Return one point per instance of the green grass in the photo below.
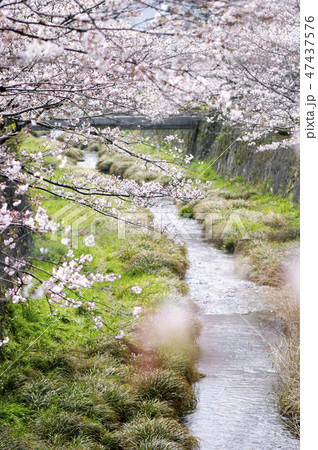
(65, 384)
(166, 386)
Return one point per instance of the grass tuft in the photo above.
(155, 408)
(288, 360)
(156, 433)
(151, 262)
(187, 211)
(67, 425)
(9, 440)
(167, 386)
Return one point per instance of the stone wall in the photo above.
(276, 169)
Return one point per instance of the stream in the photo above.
(236, 398)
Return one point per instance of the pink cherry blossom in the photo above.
(136, 289)
(111, 277)
(120, 335)
(98, 322)
(136, 311)
(89, 240)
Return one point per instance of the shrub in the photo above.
(94, 146)
(284, 234)
(289, 391)
(126, 167)
(54, 361)
(77, 398)
(159, 444)
(38, 394)
(274, 220)
(151, 176)
(230, 242)
(132, 172)
(288, 360)
(181, 364)
(14, 379)
(103, 151)
(8, 440)
(234, 195)
(14, 413)
(164, 180)
(120, 397)
(118, 168)
(111, 440)
(266, 264)
(240, 203)
(108, 345)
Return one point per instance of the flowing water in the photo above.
(236, 408)
(90, 160)
(236, 398)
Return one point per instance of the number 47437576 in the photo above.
(309, 51)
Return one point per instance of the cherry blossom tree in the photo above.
(74, 59)
(259, 69)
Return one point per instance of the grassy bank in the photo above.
(124, 166)
(65, 384)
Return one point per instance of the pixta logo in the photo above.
(75, 222)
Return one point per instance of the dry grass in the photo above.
(288, 360)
